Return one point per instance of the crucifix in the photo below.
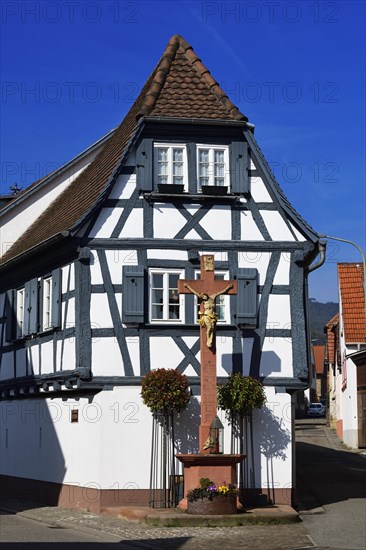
(207, 289)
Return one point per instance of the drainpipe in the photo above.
(322, 245)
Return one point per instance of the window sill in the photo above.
(190, 197)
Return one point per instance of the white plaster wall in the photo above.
(249, 229)
(282, 276)
(217, 222)
(124, 187)
(167, 221)
(43, 444)
(260, 261)
(164, 353)
(68, 278)
(259, 191)
(109, 448)
(106, 357)
(100, 315)
(68, 313)
(134, 226)
(46, 357)
(276, 225)
(272, 428)
(349, 398)
(224, 355)
(299, 235)
(126, 440)
(279, 313)
(7, 367)
(276, 358)
(105, 223)
(21, 369)
(164, 254)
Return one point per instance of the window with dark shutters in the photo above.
(25, 307)
(247, 298)
(133, 294)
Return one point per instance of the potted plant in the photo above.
(240, 395)
(165, 390)
(212, 499)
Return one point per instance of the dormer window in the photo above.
(212, 166)
(170, 166)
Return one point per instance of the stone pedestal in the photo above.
(220, 469)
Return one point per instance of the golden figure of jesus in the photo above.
(208, 317)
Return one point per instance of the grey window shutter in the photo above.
(144, 165)
(56, 298)
(10, 314)
(33, 313)
(27, 308)
(239, 167)
(247, 298)
(133, 294)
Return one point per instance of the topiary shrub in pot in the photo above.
(165, 390)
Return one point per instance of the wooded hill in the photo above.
(320, 314)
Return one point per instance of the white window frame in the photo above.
(46, 304)
(223, 299)
(20, 316)
(211, 174)
(166, 273)
(170, 147)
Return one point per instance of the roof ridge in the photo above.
(161, 72)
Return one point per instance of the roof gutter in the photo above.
(37, 248)
(203, 121)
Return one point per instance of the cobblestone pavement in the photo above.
(253, 537)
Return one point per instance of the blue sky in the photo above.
(71, 69)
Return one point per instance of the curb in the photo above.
(271, 516)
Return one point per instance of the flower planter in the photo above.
(219, 505)
(218, 190)
(170, 188)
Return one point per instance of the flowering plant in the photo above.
(165, 390)
(209, 490)
(241, 394)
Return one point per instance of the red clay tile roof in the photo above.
(319, 353)
(350, 277)
(181, 87)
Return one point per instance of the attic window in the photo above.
(212, 165)
(170, 166)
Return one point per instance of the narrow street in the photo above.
(331, 488)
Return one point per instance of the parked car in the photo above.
(316, 409)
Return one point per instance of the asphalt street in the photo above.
(331, 487)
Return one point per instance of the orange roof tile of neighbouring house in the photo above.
(319, 353)
(350, 277)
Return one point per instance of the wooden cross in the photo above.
(207, 288)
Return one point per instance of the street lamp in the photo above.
(362, 254)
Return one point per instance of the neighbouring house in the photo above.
(332, 363)
(91, 259)
(346, 357)
(320, 374)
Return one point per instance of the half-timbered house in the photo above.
(89, 303)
